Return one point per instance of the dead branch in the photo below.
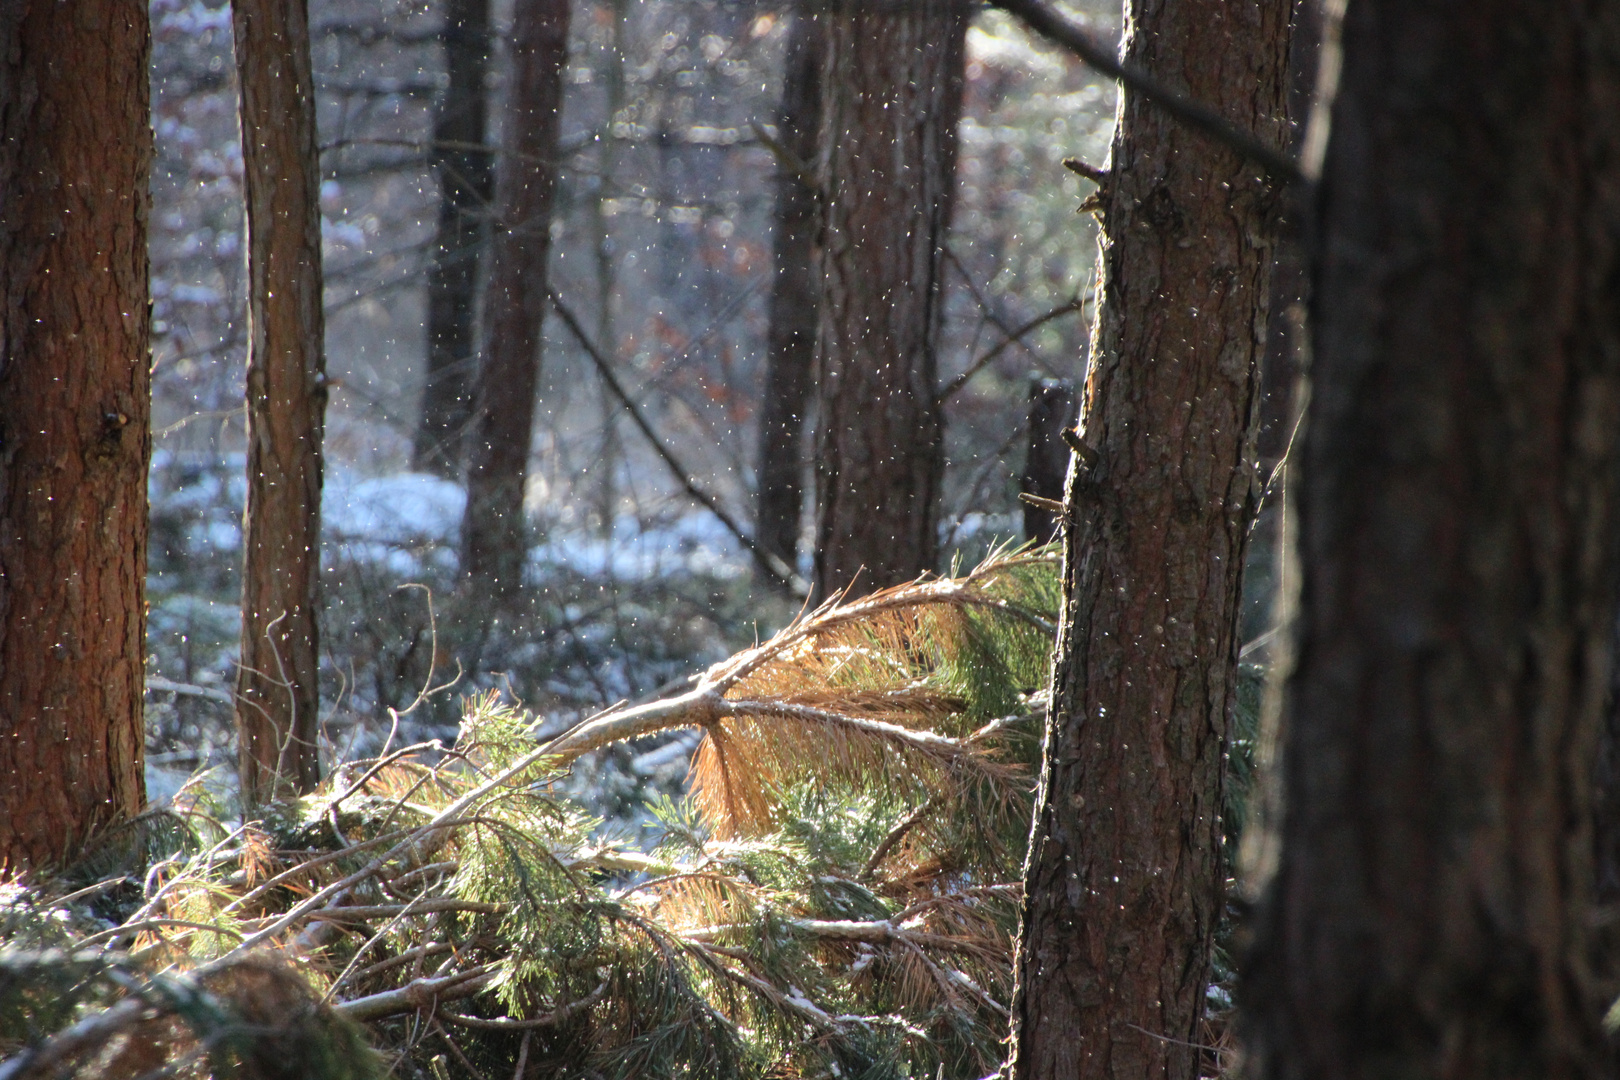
(1011, 338)
(416, 994)
(1049, 24)
(777, 568)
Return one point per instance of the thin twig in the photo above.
(157, 682)
(1079, 167)
(1178, 1042)
(952, 388)
(378, 766)
(787, 159)
(773, 564)
(298, 869)
(523, 1056)
(981, 298)
(416, 907)
(896, 834)
(90, 890)
(149, 924)
(472, 1070)
(559, 1015)
(408, 956)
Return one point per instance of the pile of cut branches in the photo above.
(835, 898)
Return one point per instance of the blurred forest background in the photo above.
(662, 237)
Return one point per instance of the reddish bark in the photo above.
(278, 695)
(75, 152)
(1124, 881)
(892, 97)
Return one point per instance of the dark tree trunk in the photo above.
(75, 152)
(1429, 914)
(277, 691)
(1124, 882)
(892, 96)
(1282, 368)
(1046, 463)
(791, 349)
(452, 286)
(493, 531)
(1606, 841)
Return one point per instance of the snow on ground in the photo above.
(405, 508)
(402, 519)
(389, 518)
(694, 543)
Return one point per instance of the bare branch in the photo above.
(1051, 25)
(694, 708)
(417, 994)
(773, 564)
(897, 834)
(1090, 172)
(560, 1014)
(156, 682)
(1013, 337)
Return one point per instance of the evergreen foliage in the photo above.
(835, 898)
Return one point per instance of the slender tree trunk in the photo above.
(892, 96)
(277, 689)
(791, 348)
(1281, 371)
(605, 469)
(1124, 881)
(493, 532)
(452, 286)
(1051, 410)
(1429, 915)
(75, 401)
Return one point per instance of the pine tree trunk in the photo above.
(452, 285)
(75, 405)
(493, 531)
(791, 348)
(277, 690)
(892, 93)
(1124, 881)
(1429, 914)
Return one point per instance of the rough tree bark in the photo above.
(1429, 913)
(791, 348)
(452, 285)
(1124, 881)
(278, 696)
(75, 152)
(493, 530)
(892, 96)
